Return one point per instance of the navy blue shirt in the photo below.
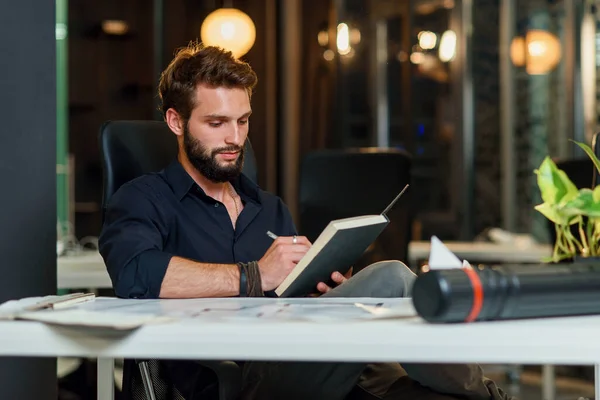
(165, 214)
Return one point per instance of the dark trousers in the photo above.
(359, 381)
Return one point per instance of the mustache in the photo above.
(227, 149)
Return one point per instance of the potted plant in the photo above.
(574, 212)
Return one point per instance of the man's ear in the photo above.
(174, 121)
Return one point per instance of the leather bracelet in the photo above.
(254, 280)
(243, 280)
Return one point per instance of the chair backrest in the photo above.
(133, 148)
(345, 183)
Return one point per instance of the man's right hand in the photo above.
(280, 259)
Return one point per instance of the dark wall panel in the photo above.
(27, 167)
(110, 78)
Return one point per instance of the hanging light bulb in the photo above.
(539, 51)
(447, 49)
(230, 29)
(343, 39)
(427, 40)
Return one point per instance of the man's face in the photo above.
(214, 136)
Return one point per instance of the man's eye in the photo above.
(243, 121)
(215, 124)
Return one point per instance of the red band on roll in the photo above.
(477, 294)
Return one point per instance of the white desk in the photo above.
(568, 341)
(482, 252)
(84, 270)
(546, 341)
(88, 271)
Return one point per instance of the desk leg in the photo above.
(597, 380)
(548, 383)
(106, 367)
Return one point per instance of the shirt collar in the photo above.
(181, 182)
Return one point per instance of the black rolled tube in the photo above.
(507, 292)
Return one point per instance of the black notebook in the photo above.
(339, 246)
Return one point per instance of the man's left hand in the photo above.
(337, 277)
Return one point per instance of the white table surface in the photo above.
(483, 252)
(564, 341)
(82, 270)
(87, 270)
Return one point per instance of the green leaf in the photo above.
(583, 204)
(596, 194)
(555, 186)
(551, 212)
(569, 187)
(588, 150)
(560, 215)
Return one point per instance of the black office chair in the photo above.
(345, 183)
(130, 149)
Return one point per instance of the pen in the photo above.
(274, 236)
(58, 302)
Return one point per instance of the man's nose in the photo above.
(234, 134)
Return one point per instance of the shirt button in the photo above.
(216, 205)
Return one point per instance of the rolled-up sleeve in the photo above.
(131, 242)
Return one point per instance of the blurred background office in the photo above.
(477, 92)
(465, 96)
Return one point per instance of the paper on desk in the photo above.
(340, 310)
(13, 308)
(261, 309)
(77, 315)
(126, 314)
(93, 319)
(440, 257)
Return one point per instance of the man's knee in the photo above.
(393, 278)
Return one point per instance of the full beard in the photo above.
(205, 161)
